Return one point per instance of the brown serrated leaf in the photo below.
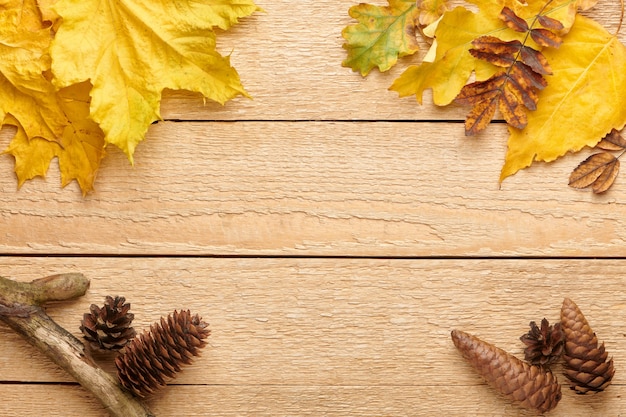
(591, 170)
(549, 23)
(546, 38)
(535, 60)
(495, 50)
(612, 142)
(512, 20)
(527, 77)
(526, 92)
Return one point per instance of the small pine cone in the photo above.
(543, 345)
(531, 386)
(109, 327)
(586, 364)
(157, 355)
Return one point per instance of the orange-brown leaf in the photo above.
(612, 142)
(513, 21)
(549, 23)
(598, 171)
(495, 50)
(525, 90)
(546, 38)
(510, 107)
(505, 54)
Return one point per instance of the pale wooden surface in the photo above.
(332, 234)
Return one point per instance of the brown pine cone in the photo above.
(109, 327)
(543, 345)
(586, 364)
(531, 386)
(154, 356)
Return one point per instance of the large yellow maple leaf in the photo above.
(131, 50)
(24, 91)
(583, 101)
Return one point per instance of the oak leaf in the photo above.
(581, 104)
(132, 50)
(382, 35)
(431, 10)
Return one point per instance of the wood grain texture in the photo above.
(316, 188)
(292, 334)
(229, 211)
(289, 60)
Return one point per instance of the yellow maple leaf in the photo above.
(453, 65)
(80, 148)
(582, 102)
(24, 91)
(131, 50)
(382, 35)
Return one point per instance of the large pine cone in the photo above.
(545, 344)
(109, 327)
(154, 356)
(586, 364)
(531, 386)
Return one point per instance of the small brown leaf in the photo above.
(512, 20)
(607, 178)
(591, 170)
(612, 142)
(546, 38)
(549, 23)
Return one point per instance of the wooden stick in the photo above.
(20, 309)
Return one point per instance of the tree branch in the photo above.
(20, 309)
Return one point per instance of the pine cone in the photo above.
(586, 364)
(157, 355)
(543, 345)
(108, 328)
(531, 386)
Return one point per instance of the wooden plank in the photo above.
(275, 401)
(289, 60)
(308, 328)
(315, 188)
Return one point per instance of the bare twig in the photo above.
(20, 309)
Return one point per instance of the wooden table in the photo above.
(331, 233)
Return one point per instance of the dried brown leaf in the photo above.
(546, 38)
(535, 60)
(512, 20)
(549, 23)
(612, 142)
(590, 172)
(607, 178)
(495, 50)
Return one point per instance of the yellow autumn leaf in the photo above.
(382, 35)
(453, 65)
(32, 156)
(583, 101)
(24, 91)
(131, 50)
(80, 148)
(431, 10)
